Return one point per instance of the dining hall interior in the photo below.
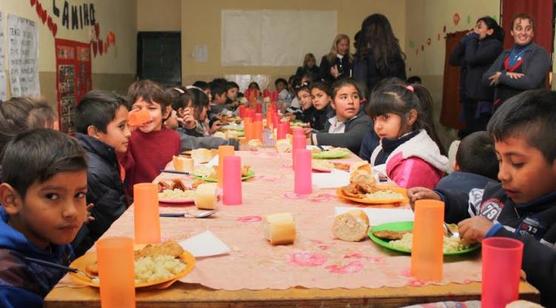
(248, 146)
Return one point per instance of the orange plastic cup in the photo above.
(146, 219)
(223, 151)
(138, 117)
(248, 128)
(258, 130)
(428, 234)
(116, 272)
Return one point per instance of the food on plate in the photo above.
(390, 235)
(176, 194)
(283, 146)
(341, 166)
(254, 144)
(153, 262)
(322, 165)
(173, 183)
(329, 152)
(205, 196)
(384, 194)
(363, 186)
(351, 226)
(450, 244)
(201, 156)
(279, 229)
(211, 173)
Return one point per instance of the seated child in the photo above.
(348, 124)
(407, 148)
(284, 96)
(151, 145)
(476, 164)
(321, 99)
(232, 91)
(43, 207)
(523, 204)
(101, 129)
(183, 106)
(306, 112)
(218, 104)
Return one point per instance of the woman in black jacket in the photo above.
(379, 55)
(337, 63)
(475, 53)
(309, 68)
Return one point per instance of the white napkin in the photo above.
(378, 216)
(213, 162)
(205, 244)
(334, 179)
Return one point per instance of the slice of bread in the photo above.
(351, 226)
(279, 229)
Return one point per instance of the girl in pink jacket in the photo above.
(404, 126)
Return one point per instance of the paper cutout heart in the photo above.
(54, 29)
(44, 16)
(33, 2)
(49, 23)
(97, 30)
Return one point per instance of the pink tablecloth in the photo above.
(316, 260)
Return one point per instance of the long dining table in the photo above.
(317, 270)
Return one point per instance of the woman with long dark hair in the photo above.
(475, 53)
(379, 55)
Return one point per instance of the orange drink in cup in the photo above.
(427, 253)
(116, 272)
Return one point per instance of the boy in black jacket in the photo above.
(101, 126)
(523, 204)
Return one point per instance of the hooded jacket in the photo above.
(24, 283)
(416, 162)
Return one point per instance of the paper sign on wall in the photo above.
(23, 56)
(275, 37)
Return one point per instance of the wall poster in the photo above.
(73, 78)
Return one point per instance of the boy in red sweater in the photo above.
(151, 145)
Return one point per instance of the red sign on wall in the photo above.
(73, 78)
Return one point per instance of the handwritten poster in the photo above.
(23, 56)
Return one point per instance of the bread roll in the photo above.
(205, 196)
(351, 226)
(361, 172)
(279, 229)
(201, 156)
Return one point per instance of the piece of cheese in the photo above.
(279, 229)
(351, 226)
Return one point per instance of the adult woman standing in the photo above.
(309, 68)
(337, 63)
(475, 53)
(379, 55)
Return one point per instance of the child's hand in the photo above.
(188, 119)
(515, 75)
(216, 125)
(474, 229)
(418, 193)
(334, 71)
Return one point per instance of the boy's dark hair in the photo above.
(203, 85)
(282, 80)
(476, 154)
(323, 86)
(39, 154)
(217, 88)
(531, 115)
(231, 85)
(199, 100)
(150, 91)
(179, 96)
(97, 108)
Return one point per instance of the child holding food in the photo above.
(43, 207)
(348, 125)
(101, 129)
(151, 145)
(523, 204)
(407, 148)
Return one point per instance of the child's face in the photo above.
(220, 98)
(117, 132)
(280, 86)
(305, 99)
(232, 94)
(51, 212)
(155, 111)
(522, 31)
(320, 98)
(524, 172)
(346, 103)
(388, 126)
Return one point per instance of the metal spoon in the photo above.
(449, 231)
(202, 214)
